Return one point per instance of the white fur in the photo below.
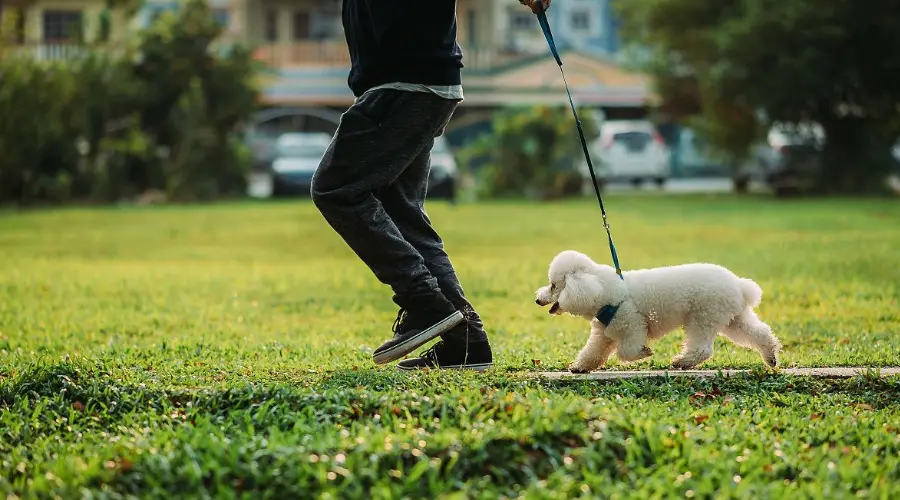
(705, 299)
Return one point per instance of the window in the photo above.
(271, 25)
(323, 25)
(471, 29)
(62, 25)
(153, 13)
(301, 24)
(156, 10)
(222, 16)
(581, 20)
(521, 20)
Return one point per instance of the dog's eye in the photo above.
(552, 286)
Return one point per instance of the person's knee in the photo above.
(317, 192)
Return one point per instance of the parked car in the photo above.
(630, 150)
(297, 158)
(791, 156)
(693, 157)
(443, 176)
(788, 158)
(285, 165)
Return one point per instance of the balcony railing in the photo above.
(50, 51)
(305, 53)
(333, 53)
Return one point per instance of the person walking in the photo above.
(370, 186)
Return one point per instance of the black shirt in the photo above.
(409, 41)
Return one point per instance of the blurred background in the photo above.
(111, 101)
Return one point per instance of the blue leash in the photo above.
(545, 27)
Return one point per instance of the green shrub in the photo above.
(161, 112)
(533, 152)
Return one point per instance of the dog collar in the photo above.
(606, 314)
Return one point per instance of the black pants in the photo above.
(371, 185)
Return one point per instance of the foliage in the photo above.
(220, 351)
(750, 64)
(38, 125)
(533, 151)
(160, 111)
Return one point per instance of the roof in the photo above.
(594, 80)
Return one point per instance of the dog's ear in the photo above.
(581, 293)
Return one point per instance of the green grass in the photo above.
(226, 350)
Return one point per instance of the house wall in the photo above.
(602, 34)
(90, 9)
(324, 18)
(475, 21)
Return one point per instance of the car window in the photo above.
(633, 141)
(302, 150)
(302, 146)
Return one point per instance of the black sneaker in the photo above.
(452, 355)
(415, 327)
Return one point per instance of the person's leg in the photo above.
(377, 139)
(404, 202)
(466, 345)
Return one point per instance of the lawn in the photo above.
(225, 351)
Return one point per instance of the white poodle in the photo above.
(704, 298)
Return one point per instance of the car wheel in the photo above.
(741, 184)
(451, 191)
(660, 182)
(637, 182)
(443, 190)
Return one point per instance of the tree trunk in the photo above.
(856, 158)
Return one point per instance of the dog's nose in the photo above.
(537, 301)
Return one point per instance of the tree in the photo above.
(160, 112)
(745, 64)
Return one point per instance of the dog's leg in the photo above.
(698, 344)
(634, 344)
(595, 352)
(747, 330)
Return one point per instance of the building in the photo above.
(59, 29)
(53, 29)
(302, 41)
(588, 26)
(506, 58)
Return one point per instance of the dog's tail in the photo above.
(751, 291)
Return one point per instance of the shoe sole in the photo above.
(411, 344)
(475, 367)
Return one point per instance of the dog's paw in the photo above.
(577, 369)
(643, 353)
(770, 357)
(682, 364)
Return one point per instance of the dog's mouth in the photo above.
(554, 308)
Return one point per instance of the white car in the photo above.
(630, 150)
(297, 157)
(443, 174)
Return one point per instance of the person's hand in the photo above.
(535, 5)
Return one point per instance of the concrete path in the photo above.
(704, 185)
(840, 372)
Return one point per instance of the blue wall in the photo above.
(601, 12)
